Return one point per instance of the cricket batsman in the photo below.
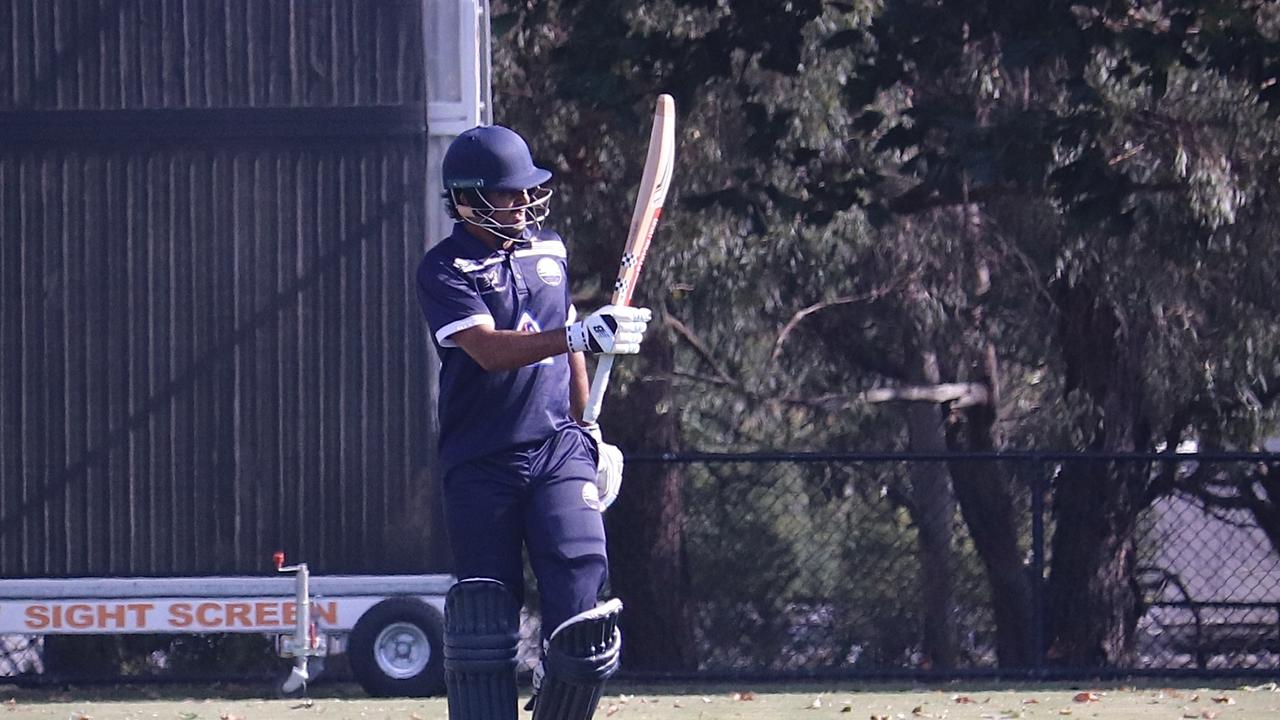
(519, 468)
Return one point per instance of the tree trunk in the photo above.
(983, 489)
(986, 503)
(645, 525)
(934, 513)
(1092, 601)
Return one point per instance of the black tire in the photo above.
(397, 649)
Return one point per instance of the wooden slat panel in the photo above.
(348, 340)
(173, 71)
(67, 324)
(107, 76)
(245, 438)
(149, 57)
(377, 340)
(43, 81)
(20, 56)
(137, 477)
(117, 512)
(33, 424)
(8, 50)
(11, 386)
(62, 41)
(183, 311)
(224, 530)
(341, 53)
(208, 53)
(302, 327)
(198, 338)
(272, 523)
(156, 349)
(203, 469)
(193, 34)
(95, 341)
(285, 372)
(49, 410)
(328, 344)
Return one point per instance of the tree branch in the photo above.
(683, 331)
(845, 300)
(958, 394)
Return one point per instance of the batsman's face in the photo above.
(510, 207)
(503, 215)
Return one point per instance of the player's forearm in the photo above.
(502, 350)
(611, 329)
(579, 385)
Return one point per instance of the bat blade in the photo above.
(658, 167)
(650, 198)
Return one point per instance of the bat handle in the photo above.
(595, 399)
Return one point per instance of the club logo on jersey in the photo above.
(528, 325)
(490, 281)
(549, 271)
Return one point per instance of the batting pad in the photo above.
(581, 654)
(481, 630)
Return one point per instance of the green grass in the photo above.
(669, 702)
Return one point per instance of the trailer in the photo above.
(390, 626)
(210, 344)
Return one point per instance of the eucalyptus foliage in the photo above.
(1065, 207)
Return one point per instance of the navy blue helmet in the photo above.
(489, 170)
(491, 157)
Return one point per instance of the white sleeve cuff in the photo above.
(453, 328)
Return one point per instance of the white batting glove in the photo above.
(608, 468)
(593, 429)
(608, 474)
(613, 329)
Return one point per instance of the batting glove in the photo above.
(608, 475)
(608, 468)
(593, 429)
(613, 329)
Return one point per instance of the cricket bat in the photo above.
(644, 220)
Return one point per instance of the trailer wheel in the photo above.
(397, 649)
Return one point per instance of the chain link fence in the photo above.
(866, 565)
(20, 654)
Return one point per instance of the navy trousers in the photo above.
(533, 497)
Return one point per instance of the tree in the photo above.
(1059, 211)
(1122, 121)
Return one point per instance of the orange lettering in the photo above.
(266, 613)
(290, 613)
(180, 615)
(37, 617)
(111, 613)
(140, 612)
(80, 616)
(238, 614)
(206, 615)
(325, 613)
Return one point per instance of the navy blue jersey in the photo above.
(462, 283)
